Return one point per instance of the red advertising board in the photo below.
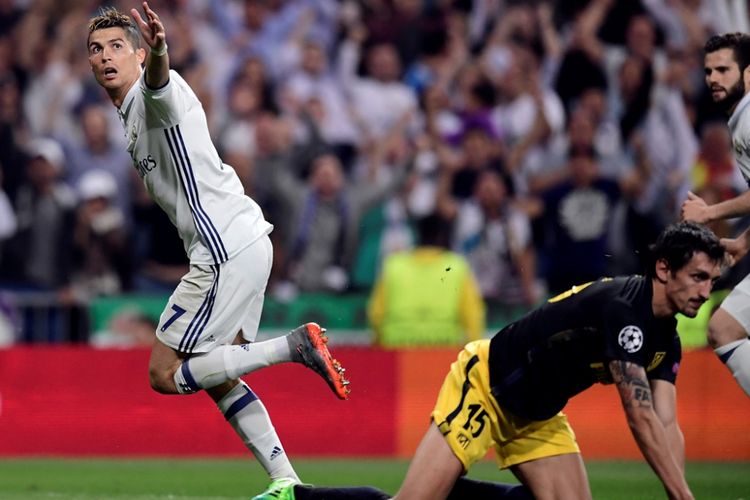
(86, 402)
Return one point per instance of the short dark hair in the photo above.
(433, 230)
(679, 242)
(739, 43)
(109, 17)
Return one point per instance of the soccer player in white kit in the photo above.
(206, 332)
(727, 72)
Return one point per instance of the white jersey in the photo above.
(169, 142)
(739, 127)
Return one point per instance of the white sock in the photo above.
(229, 362)
(250, 420)
(736, 355)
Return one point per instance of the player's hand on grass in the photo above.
(695, 209)
(152, 29)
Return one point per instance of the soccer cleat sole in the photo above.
(315, 355)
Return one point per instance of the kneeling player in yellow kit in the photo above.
(508, 392)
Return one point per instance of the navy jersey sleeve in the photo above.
(624, 333)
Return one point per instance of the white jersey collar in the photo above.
(124, 110)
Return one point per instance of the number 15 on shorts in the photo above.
(476, 420)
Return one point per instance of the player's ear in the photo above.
(661, 270)
(140, 53)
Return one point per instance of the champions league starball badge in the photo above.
(630, 338)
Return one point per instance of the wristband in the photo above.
(159, 52)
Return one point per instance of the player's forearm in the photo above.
(651, 438)
(647, 426)
(735, 207)
(157, 68)
(676, 444)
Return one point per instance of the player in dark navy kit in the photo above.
(508, 392)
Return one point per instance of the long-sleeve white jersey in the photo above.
(169, 142)
(739, 127)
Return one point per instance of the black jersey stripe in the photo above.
(188, 194)
(223, 255)
(200, 320)
(241, 403)
(182, 173)
(209, 310)
(195, 321)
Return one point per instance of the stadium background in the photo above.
(72, 387)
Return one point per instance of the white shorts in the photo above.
(737, 303)
(212, 303)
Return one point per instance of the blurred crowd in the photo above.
(555, 139)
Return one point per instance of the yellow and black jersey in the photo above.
(560, 349)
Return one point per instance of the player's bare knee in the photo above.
(723, 329)
(219, 391)
(713, 335)
(161, 380)
(162, 365)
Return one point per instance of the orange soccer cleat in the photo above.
(308, 344)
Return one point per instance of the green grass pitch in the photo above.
(211, 479)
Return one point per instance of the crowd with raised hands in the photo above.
(554, 139)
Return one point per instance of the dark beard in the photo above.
(734, 94)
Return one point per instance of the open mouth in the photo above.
(110, 72)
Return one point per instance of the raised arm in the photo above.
(157, 60)
(696, 209)
(647, 426)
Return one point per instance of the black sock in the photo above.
(464, 488)
(475, 489)
(302, 492)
